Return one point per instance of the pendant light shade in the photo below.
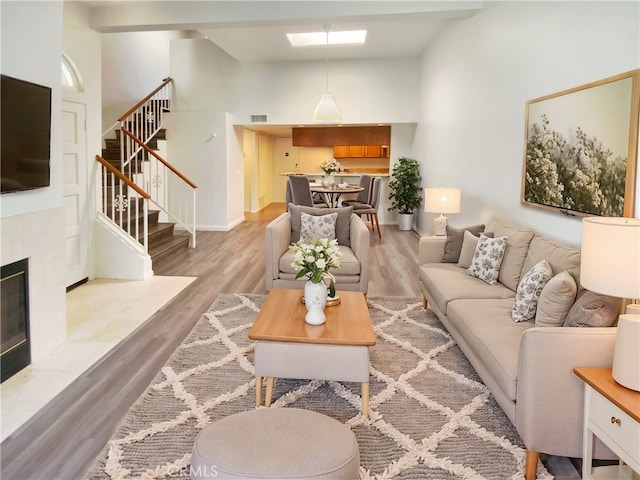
(327, 110)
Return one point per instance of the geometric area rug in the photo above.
(431, 417)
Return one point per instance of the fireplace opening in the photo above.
(15, 350)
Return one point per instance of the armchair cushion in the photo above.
(342, 223)
(350, 264)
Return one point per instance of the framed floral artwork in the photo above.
(581, 148)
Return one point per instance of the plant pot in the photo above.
(405, 221)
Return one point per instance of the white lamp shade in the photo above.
(442, 200)
(327, 110)
(610, 256)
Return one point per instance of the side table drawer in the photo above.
(616, 424)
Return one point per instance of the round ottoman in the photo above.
(276, 443)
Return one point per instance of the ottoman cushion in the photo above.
(276, 443)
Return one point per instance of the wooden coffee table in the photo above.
(288, 347)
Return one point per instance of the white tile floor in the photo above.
(99, 315)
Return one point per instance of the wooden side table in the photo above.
(612, 413)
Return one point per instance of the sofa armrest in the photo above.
(431, 249)
(277, 241)
(360, 244)
(550, 397)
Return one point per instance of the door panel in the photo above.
(77, 218)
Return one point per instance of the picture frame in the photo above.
(581, 148)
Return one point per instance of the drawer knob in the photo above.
(615, 420)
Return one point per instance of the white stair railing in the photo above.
(169, 190)
(125, 204)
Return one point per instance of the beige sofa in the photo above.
(527, 368)
(353, 242)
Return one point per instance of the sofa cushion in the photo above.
(517, 247)
(556, 300)
(350, 264)
(560, 257)
(487, 259)
(593, 310)
(488, 329)
(529, 289)
(453, 243)
(342, 223)
(469, 244)
(317, 227)
(446, 282)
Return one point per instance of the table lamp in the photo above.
(441, 200)
(610, 265)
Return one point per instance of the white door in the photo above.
(74, 153)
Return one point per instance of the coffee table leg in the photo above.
(258, 391)
(365, 398)
(269, 394)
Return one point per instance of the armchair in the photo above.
(353, 241)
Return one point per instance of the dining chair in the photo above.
(363, 196)
(370, 209)
(299, 193)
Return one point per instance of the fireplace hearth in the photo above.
(15, 352)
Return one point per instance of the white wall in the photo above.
(134, 64)
(32, 223)
(476, 79)
(366, 91)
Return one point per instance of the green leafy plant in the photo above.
(405, 191)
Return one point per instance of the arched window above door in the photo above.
(70, 76)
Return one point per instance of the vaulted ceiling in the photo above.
(255, 30)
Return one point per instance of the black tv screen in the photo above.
(25, 122)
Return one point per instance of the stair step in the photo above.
(136, 217)
(168, 245)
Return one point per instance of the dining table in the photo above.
(331, 194)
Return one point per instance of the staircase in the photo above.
(143, 196)
(161, 235)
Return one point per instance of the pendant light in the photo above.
(327, 110)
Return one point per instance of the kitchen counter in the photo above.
(347, 173)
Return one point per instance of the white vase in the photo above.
(328, 180)
(315, 298)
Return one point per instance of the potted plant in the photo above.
(405, 192)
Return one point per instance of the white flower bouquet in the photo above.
(330, 165)
(314, 260)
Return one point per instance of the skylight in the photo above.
(346, 37)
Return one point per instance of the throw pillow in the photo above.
(487, 259)
(315, 227)
(593, 310)
(469, 244)
(453, 243)
(556, 300)
(343, 224)
(529, 289)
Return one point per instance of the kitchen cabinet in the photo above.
(361, 151)
(330, 136)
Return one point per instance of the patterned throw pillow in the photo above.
(529, 289)
(315, 227)
(487, 259)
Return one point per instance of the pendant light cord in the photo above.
(326, 29)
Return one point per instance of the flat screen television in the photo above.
(25, 122)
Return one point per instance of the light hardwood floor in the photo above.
(63, 439)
